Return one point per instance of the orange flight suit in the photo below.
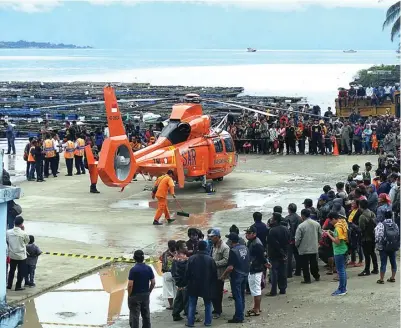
(165, 185)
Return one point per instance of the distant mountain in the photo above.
(41, 45)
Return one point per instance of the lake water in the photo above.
(315, 74)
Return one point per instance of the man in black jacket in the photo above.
(257, 267)
(202, 277)
(294, 220)
(178, 272)
(277, 245)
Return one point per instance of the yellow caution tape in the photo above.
(104, 258)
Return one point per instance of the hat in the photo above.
(355, 167)
(233, 237)
(308, 202)
(251, 229)
(214, 232)
(324, 197)
(368, 164)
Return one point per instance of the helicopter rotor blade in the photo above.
(240, 106)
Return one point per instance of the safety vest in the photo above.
(69, 150)
(49, 149)
(80, 149)
(31, 159)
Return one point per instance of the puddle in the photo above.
(97, 300)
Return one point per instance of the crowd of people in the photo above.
(368, 96)
(299, 133)
(358, 217)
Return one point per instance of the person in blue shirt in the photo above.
(10, 135)
(141, 281)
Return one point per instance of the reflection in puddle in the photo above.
(96, 300)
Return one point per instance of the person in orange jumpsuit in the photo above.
(162, 187)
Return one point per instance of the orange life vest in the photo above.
(69, 150)
(49, 149)
(31, 159)
(80, 149)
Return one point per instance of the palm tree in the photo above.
(393, 17)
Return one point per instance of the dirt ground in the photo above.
(64, 217)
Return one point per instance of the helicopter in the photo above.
(188, 145)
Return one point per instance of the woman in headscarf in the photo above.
(384, 206)
(373, 198)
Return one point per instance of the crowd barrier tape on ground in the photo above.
(103, 258)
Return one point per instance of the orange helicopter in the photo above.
(188, 145)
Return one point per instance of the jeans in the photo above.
(309, 260)
(369, 252)
(383, 261)
(31, 273)
(278, 276)
(11, 145)
(139, 305)
(293, 252)
(180, 303)
(218, 299)
(342, 274)
(238, 285)
(192, 301)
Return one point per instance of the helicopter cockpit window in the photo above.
(229, 145)
(218, 146)
(176, 132)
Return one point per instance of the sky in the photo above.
(201, 24)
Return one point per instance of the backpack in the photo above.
(391, 238)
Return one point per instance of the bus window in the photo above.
(229, 145)
(218, 146)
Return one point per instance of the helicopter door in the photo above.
(218, 161)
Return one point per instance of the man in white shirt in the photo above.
(17, 239)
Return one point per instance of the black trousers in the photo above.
(52, 163)
(69, 162)
(309, 261)
(293, 252)
(369, 252)
(217, 301)
(139, 306)
(39, 169)
(21, 275)
(79, 164)
(180, 303)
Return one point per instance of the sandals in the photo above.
(380, 282)
(390, 280)
(252, 313)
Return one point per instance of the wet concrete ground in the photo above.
(65, 217)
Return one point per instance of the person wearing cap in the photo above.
(201, 275)
(163, 186)
(257, 267)
(141, 281)
(367, 224)
(294, 220)
(307, 239)
(339, 240)
(238, 269)
(234, 229)
(277, 250)
(308, 204)
(366, 175)
(220, 253)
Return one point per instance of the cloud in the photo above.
(33, 6)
